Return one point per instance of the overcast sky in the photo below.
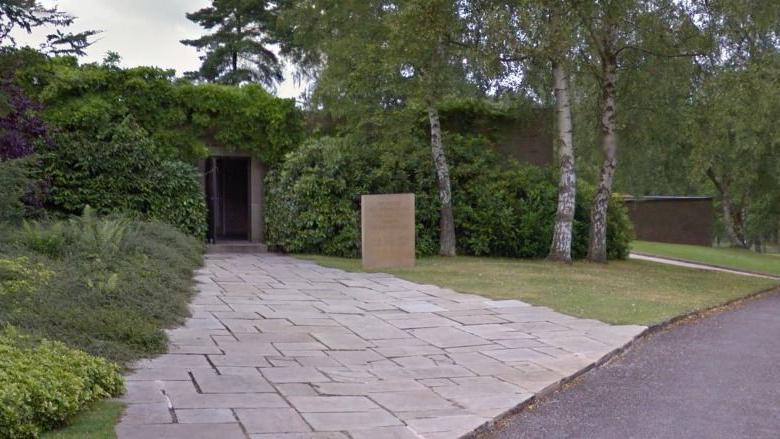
(143, 32)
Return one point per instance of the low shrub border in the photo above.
(43, 383)
(90, 294)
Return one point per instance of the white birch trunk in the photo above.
(560, 249)
(446, 218)
(597, 249)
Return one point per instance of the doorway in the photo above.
(228, 196)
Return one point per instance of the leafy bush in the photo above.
(112, 284)
(44, 383)
(501, 208)
(15, 182)
(181, 118)
(121, 171)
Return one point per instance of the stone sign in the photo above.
(387, 226)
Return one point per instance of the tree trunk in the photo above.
(597, 250)
(446, 219)
(560, 249)
(734, 226)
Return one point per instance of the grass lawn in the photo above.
(726, 257)
(620, 292)
(95, 423)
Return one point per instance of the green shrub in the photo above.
(501, 208)
(121, 171)
(15, 182)
(114, 284)
(44, 383)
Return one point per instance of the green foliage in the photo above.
(182, 119)
(44, 383)
(15, 181)
(19, 276)
(236, 51)
(120, 171)
(104, 285)
(501, 209)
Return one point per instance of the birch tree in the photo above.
(609, 30)
(370, 57)
(523, 35)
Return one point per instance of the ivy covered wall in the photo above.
(181, 118)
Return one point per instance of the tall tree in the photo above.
(610, 30)
(236, 51)
(372, 57)
(526, 35)
(27, 15)
(733, 129)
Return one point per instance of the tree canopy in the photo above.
(237, 49)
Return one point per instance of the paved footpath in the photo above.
(718, 377)
(283, 348)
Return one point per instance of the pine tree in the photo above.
(236, 51)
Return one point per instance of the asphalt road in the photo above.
(717, 377)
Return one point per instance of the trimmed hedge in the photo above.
(121, 171)
(501, 208)
(44, 383)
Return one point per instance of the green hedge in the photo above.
(121, 171)
(44, 383)
(501, 208)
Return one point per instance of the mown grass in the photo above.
(620, 292)
(740, 259)
(95, 423)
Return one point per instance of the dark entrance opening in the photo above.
(227, 193)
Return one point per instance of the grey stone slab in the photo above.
(355, 357)
(367, 388)
(325, 404)
(312, 435)
(296, 389)
(341, 341)
(272, 421)
(385, 433)
(245, 383)
(205, 416)
(517, 354)
(241, 359)
(447, 337)
(243, 400)
(293, 375)
(147, 413)
(411, 401)
(370, 327)
(174, 361)
(180, 431)
(456, 424)
(350, 421)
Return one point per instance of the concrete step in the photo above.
(236, 247)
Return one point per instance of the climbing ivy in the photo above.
(182, 119)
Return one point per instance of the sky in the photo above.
(143, 32)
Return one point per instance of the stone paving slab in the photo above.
(283, 348)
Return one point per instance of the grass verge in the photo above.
(95, 423)
(739, 259)
(621, 292)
